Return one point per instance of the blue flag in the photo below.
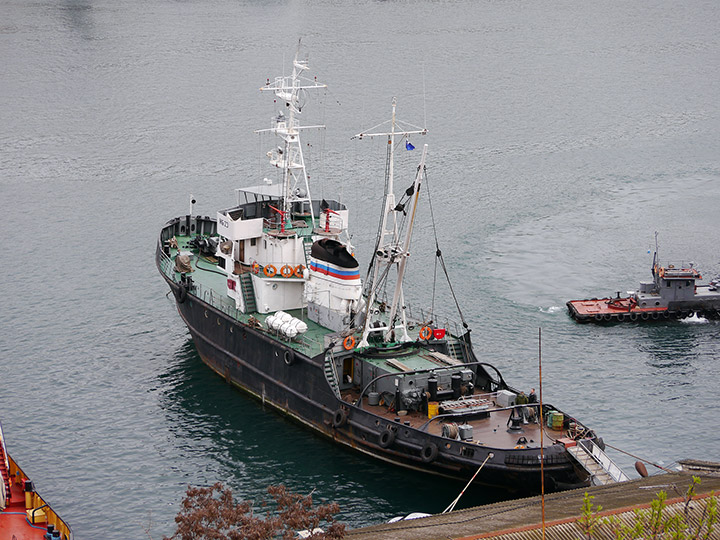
(408, 146)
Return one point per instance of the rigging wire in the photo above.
(439, 256)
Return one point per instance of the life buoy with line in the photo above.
(286, 271)
(425, 332)
(349, 343)
(269, 270)
(299, 269)
(255, 267)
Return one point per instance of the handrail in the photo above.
(4, 449)
(473, 413)
(358, 403)
(596, 454)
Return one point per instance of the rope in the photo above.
(452, 504)
(641, 459)
(438, 255)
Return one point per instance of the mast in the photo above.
(289, 157)
(389, 250)
(405, 254)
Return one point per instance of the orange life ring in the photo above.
(425, 332)
(349, 343)
(286, 271)
(299, 269)
(255, 267)
(270, 270)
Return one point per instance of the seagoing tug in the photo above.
(673, 293)
(271, 293)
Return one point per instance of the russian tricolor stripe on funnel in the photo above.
(334, 271)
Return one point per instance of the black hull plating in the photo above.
(295, 385)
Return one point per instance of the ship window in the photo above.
(253, 241)
(264, 244)
(657, 303)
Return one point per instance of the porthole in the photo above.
(206, 314)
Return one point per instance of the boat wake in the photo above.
(694, 319)
(551, 309)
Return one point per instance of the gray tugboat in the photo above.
(673, 293)
(271, 293)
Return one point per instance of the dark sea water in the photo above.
(562, 136)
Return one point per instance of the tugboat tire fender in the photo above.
(597, 317)
(621, 317)
(429, 452)
(340, 418)
(607, 317)
(289, 357)
(633, 316)
(387, 437)
(656, 316)
(644, 316)
(181, 294)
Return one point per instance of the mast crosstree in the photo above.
(289, 156)
(391, 250)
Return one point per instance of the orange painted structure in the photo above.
(24, 515)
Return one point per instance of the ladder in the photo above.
(591, 457)
(330, 374)
(455, 350)
(248, 292)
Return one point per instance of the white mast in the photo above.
(289, 156)
(389, 251)
(405, 253)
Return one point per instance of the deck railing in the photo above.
(224, 304)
